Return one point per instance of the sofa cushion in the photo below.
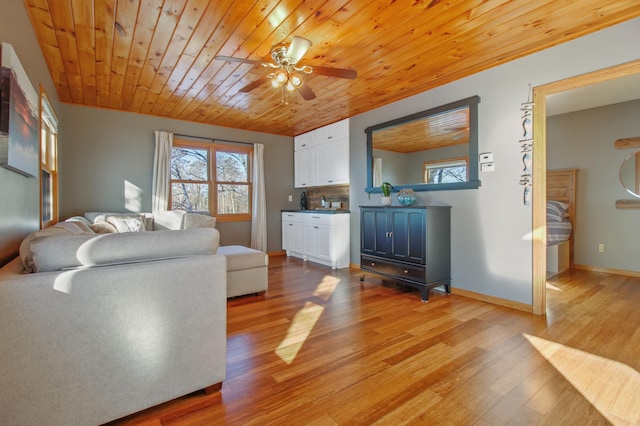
(61, 228)
(126, 224)
(240, 257)
(198, 220)
(70, 251)
(169, 219)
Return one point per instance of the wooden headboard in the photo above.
(561, 186)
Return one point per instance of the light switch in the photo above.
(486, 157)
(487, 167)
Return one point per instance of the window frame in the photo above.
(212, 183)
(438, 163)
(48, 155)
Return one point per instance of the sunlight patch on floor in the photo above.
(326, 287)
(299, 330)
(552, 287)
(612, 387)
(305, 319)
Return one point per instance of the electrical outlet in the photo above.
(601, 248)
(290, 197)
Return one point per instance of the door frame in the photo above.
(539, 220)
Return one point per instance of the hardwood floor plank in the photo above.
(320, 348)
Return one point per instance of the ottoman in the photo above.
(246, 270)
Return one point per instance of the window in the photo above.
(48, 163)
(447, 171)
(213, 178)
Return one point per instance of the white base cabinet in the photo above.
(317, 237)
(292, 238)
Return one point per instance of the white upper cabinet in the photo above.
(333, 131)
(322, 156)
(305, 140)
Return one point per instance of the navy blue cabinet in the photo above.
(411, 245)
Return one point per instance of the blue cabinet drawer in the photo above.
(396, 270)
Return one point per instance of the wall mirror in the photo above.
(431, 150)
(630, 174)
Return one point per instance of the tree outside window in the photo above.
(448, 171)
(195, 187)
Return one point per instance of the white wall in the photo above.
(491, 246)
(585, 140)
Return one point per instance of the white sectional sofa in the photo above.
(109, 325)
(246, 268)
(97, 323)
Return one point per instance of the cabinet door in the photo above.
(305, 140)
(300, 169)
(333, 162)
(374, 232)
(325, 163)
(323, 240)
(340, 161)
(292, 239)
(297, 238)
(287, 233)
(333, 131)
(408, 231)
(318, 239)
(310, 237)
(306, 167)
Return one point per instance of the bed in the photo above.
(561, 219)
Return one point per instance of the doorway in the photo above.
(539, 197)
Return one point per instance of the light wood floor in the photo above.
(320, 349)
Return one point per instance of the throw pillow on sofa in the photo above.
(126, 224)
(100, 217)
(198, 220)
(103, 228)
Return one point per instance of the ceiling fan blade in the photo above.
(243, 61)
(306, 92)
(249, 87)
(335, 72)
(297, 49)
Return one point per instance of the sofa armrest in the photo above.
(91, 345)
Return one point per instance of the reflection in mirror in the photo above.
(429, 150)
(630, 174)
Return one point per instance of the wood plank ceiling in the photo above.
(157, 56)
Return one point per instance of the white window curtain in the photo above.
(161, 171)
(377, 171)
(259, 204)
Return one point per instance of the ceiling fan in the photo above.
(286, 74)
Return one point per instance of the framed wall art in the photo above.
(19, 148)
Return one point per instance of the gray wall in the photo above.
(20, 209)
(584, 140)
(491, 228)
(104, 151)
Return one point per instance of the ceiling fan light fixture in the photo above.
(295, 80)
(297, 49)
(280, 77)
